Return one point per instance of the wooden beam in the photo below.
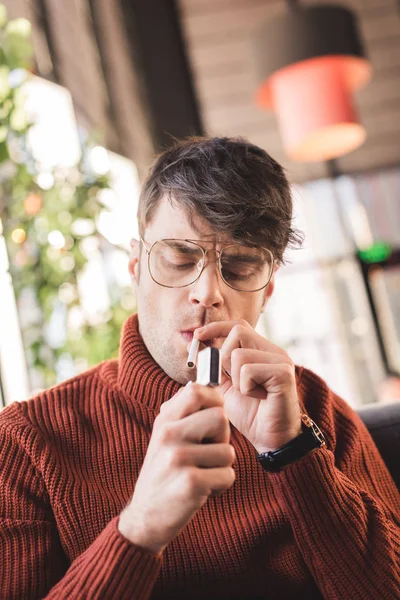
(157, 48)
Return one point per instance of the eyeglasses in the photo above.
(175, 263)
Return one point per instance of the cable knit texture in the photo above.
(327, 526)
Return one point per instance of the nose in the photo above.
(207, 289)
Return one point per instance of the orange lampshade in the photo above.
(313, 103)
(308, 78)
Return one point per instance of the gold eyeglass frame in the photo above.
(217, 252)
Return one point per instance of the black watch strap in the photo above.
(310, 439)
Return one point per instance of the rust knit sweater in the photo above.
(327, 526)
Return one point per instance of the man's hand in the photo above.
(179, 472)
(260, 396)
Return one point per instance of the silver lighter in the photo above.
(209, 367)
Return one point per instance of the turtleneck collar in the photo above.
(139, 376)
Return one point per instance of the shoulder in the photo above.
(55, 404)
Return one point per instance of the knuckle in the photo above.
(175, 458)
(238, 328)
(231, 475)
(245, 370)
(191, 482)
(220, 415)
(195, 395)
(236, 354)
(288, 370)
(167, 432)
(195, 390)
(217, 398)
(158, 422)
(229, 454)
(193, 405)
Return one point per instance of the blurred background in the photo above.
(90, 90)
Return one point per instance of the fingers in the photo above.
(206, 456)
(238, 334)
(211, 423)
(219, 329)
(275, 377)
(244, 356)
(190, 399)
(215, 481)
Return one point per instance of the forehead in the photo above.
(170, 220)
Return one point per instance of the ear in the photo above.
(134, 261)
(269, 290)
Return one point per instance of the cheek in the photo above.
(159, 301)
(251, 308)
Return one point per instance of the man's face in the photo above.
(168, 316)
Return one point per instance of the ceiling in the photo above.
(218, 34)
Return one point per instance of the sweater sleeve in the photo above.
(344, 508)
(32, 559)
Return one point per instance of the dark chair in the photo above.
(383, 423)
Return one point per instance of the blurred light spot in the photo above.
(19, 26)
(99, 160)
(41, 224)
(83, 227)
(89, 247)
(17, 77)
(18, 236)
(108, 225)
(67, 263)
(108, 198)
(56, 239)
(45, 181)
(64, 218)
(67, 293)
(32, 204)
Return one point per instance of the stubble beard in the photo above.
(160, 342)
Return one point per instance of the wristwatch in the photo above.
(310, 438)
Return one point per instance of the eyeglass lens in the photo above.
(177, 263)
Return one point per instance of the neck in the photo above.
(139, 376)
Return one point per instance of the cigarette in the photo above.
(192, 357)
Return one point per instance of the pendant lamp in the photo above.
(309, 62)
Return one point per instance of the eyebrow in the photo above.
(177, 245)
(250, 258)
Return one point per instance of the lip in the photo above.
(191, 329)
(188, 336)
(188, 333)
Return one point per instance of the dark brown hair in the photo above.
(236, 187)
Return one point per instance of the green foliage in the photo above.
(46, 230)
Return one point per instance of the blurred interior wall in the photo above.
(125, 65)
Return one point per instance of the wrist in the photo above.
(310, 438)
(134, 534)
(280, 441)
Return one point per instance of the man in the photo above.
(131, 481)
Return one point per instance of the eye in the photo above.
(237, 276)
